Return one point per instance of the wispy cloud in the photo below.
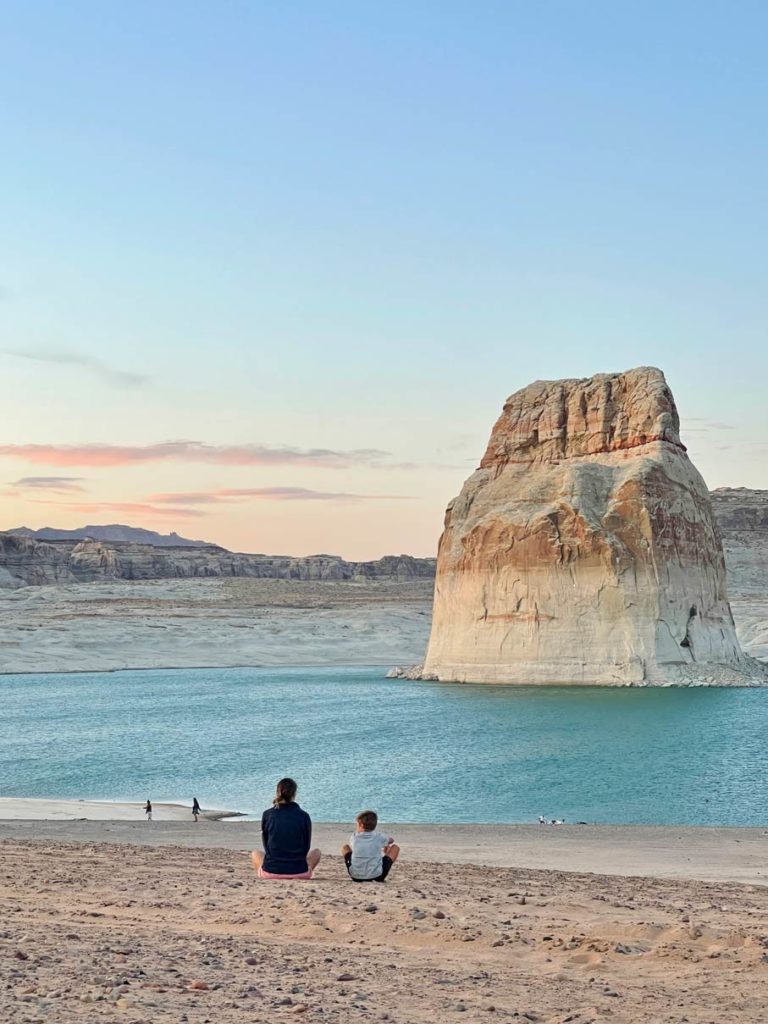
(239, 494)
(705, 427)
(111, 374)
(134, 508)
(50, 483)
(171, 505)
(193, 451)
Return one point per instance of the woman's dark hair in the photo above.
(285, 792)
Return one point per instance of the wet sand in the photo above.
(34, 809)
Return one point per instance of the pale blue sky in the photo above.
(361, 226)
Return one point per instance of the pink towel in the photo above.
(268, 874)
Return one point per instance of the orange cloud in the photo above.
(191, 451)
(236, 494)
(135, 508)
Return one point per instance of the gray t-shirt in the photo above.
(367, 850)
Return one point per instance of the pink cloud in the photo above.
(135, 508)
(237, 494)
(191, 451)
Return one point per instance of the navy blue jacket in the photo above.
(286, 832)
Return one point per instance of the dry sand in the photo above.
(101, 932)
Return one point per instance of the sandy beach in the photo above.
(128, 921)
(714, 854)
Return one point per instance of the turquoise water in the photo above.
(414, 751)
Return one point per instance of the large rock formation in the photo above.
(583, 550)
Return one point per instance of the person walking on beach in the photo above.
(195, 809)
(148, 810)
(286, 834)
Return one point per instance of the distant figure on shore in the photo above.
(370, 854)
(557, 821)
(286, 834)
(148, 810)
(542, 820)
(195, 808)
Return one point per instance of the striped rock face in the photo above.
(583, 550)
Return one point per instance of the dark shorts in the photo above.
(386, 867)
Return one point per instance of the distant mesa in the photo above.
(583, 550)
(97, 553)
(112, 532)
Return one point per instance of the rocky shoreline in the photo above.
(225, 621)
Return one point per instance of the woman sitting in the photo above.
(286, 833)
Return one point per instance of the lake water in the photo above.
(414, 751)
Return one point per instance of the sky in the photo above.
(268, 271)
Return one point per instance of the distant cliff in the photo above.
(741, 515)
(742, 518)
(25, 561)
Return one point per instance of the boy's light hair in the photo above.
(368, 819)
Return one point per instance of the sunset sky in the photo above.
(270, 270)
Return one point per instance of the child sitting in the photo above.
(369, 855)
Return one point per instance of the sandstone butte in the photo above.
(583, 550)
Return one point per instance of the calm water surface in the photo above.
(414, 751)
